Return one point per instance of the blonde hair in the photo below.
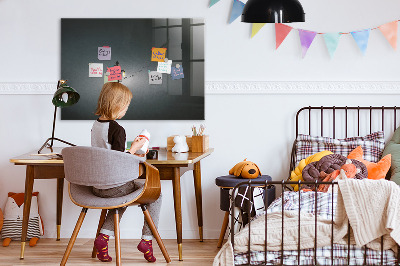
(114, 96)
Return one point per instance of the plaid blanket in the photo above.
(323, 205)
(324, 257)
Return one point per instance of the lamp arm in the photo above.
(54, 126)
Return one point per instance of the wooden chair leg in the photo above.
(154, 230)
(101, 222)
(73, 237)
(117, 238)
(223, 229)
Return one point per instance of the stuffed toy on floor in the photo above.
(13, 215)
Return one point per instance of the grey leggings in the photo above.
(154, 208)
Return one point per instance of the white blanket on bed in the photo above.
(373, 209)
(372, 206)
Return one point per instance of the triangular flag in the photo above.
(213, 2)
(332, 41)
(361, 37)
(237, 9)
(390, 32)
(306, 39)
(256, 28)
(281, 31)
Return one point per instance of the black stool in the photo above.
(226, 183)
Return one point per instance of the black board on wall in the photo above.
(131, 41)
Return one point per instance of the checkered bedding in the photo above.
(322, 207)
(372, 145)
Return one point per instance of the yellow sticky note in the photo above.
(158, 54)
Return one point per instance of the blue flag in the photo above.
(361, 37)
(237, 9)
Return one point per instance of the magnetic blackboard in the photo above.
(131, 42)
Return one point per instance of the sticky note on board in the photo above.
(106, 74)
(115, 73)
(95, 70)
(177, 73)
(155, 77)
(158, 54)
(164, 67)
(104, 53)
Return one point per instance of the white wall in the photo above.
(257, 127)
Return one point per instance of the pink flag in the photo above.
(389, 30)
(281, 31)
(306, 39)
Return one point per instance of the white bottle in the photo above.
(144, 134)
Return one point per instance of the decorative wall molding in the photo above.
(303, 87)
(28, 88)
(249, 87)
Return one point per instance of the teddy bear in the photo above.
(13, 215)
(180, 144)
(245, 169)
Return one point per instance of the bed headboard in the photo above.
(344, 121)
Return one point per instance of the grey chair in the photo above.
(85, 167)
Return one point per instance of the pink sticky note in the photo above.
(115, 73)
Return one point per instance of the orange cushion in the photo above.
(375, 170)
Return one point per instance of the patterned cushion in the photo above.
(372, 144)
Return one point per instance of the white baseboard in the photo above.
(247, 87)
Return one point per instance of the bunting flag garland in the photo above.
(237, 9)
(389, 30)
(256, 27)
(361, 37)
(213, 2)
(306, 39)
(332, 41)
(281, 31)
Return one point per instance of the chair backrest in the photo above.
(92, 166)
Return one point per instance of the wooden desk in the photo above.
(168, 164)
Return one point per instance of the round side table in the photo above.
(228, 182)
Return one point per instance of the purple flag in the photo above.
(306, 39)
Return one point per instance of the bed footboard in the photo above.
(333, 259)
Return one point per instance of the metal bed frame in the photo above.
(284, 183)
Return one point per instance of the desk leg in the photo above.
(27, 206)
(176, 182)
(197, 189)
(60, 190)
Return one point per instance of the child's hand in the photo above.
(137, 144)
(143, 155)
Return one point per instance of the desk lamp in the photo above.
(273, 11)
(63, 97)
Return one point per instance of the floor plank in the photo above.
(50, 252)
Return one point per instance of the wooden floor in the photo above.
(50, 252)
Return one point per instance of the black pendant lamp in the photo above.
(273, 11)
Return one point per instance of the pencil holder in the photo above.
(200, 143)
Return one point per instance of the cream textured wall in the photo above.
(258, 126)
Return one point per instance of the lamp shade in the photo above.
(273, 11)
(65, 96)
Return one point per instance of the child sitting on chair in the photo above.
(106, 133)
